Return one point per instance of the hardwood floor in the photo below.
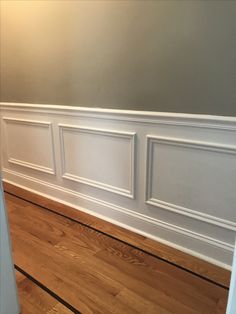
(35, 300)
(190, 263)
(91, 272)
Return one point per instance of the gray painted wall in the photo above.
(177, 56)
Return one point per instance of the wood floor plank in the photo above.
(191, 263)
(99, 274)
(184, 298)
(78, 284)
(140, 304)
(34, 300)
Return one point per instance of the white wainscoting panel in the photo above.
(192, 178)
(101, 158)
(170, 177)
(29, 144)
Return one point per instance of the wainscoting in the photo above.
(170, 177)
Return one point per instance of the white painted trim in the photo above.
(62, 195)
(43, 124)
(8, 291)
(168, 118)
(197, 233)
(231, 307)
(200, 145)
(31, 165)
(28, 122)
(112, 133)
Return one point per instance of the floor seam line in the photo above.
(47, 290)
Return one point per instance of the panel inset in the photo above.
(30, 144)
(192, 178)
(100, 158)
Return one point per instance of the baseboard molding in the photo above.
(162, 249)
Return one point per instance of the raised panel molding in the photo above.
(24, 163)
(198, 145)
(130, 136)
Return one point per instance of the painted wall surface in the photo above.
(177, 56)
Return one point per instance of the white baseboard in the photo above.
(141, 171)
(130, 220)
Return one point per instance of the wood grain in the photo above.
(99, 274)
(188, 262)
(34, 300)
